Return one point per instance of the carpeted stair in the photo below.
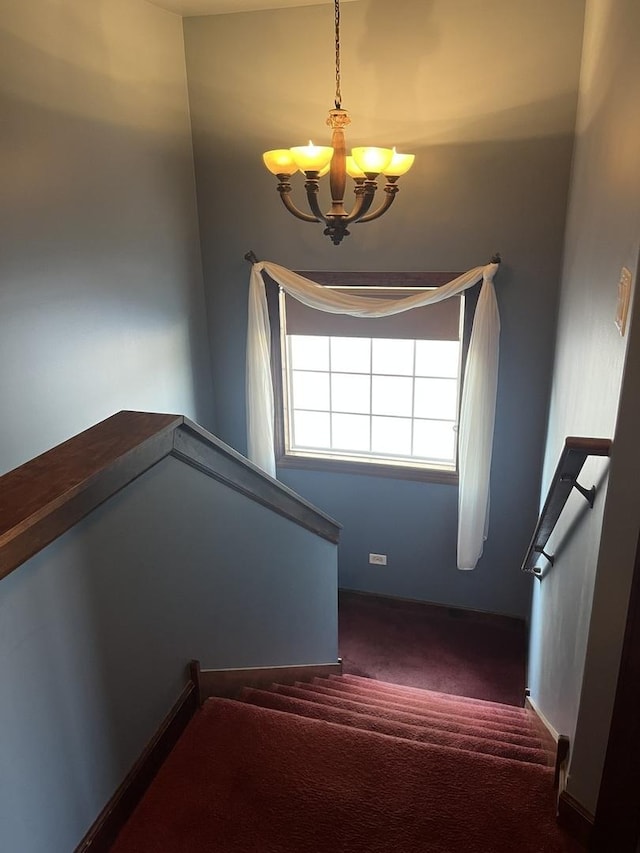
(347, 764)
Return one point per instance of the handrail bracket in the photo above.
(549, 557)
(588, 494)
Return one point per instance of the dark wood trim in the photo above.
(354, 280)
(48, 495)
(378, 278)
(45, 497)
(617, 819)
(576, 820)
(194, 672)
(229, 682)
(111, 820)
(197, 448)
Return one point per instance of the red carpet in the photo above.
(433, 647)
(306, 776)
(391, 710)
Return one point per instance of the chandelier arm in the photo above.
(365, 193)
(284, 189)
(312, 187)
(391, 190)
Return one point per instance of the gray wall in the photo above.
(101, 301)
(594, 394)
(485, 95)
(98, 628)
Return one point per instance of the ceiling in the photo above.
(188, 8)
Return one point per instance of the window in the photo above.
(374, 395)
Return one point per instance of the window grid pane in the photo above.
(309, 352)
(392, 356)
(438, 358)
(310, 390)
(311, 429)
(392, 395)
(408, 409)
(351, 433)
(436, 399)
(351, 355)
(351, 392)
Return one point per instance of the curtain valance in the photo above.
(477, 411)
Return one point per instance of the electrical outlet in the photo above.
(378, 559)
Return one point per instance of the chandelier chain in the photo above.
(338, 100)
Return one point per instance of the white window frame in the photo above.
(354, 463)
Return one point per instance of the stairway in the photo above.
(347, 765)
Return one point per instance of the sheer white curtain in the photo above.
(477, 413)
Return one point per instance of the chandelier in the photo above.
(364, 165)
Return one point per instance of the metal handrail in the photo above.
(565, 479)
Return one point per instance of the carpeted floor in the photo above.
(351, 764)
(433, 647)
(248, 776)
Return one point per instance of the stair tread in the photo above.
(451, 752)
(427, 698)
(404, 688)
(421, 733)
(443, 721)
(419, 693)
(523, 727)
(323, 786)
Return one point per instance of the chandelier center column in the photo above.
(337, 121)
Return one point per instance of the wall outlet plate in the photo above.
(378, 559)
(624, 297)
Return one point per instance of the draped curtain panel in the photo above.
(477, 410)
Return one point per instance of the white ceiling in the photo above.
(188, 8)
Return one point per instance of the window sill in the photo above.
(396, 472)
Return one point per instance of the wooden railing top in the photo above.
(565, 479)
(45, 497)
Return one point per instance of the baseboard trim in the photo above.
(103, 832)
(228, 683)
(454, 609)
(560, 744)
(541, 719)
(575, 819)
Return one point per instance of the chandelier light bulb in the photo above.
(372, 161)
(312, 158)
